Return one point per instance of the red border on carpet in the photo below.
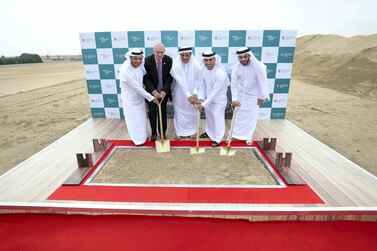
(289, 195)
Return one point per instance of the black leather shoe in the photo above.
(153, 137)
(215, 144)
(203, 135)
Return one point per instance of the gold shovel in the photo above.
(163, 145)
(227, 150)
(196, 149)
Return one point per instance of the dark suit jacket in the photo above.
(151, 77)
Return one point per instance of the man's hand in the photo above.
(236, 103)
(162, 95)
(195, 97)
(191, 100)
(156, 94)
(260, 101)
(155, 100)
(198, 104)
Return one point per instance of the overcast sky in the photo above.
(52, 27)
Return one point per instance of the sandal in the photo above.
(203, 135)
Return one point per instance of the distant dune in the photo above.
(348, 65)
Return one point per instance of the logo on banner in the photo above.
(284, 71)
(222, 52)
(169, 38)
(154, 38)
(96, 100)
(103, 39)
(203, 38)
(110, 100)
(136, 39)
(98, 113)
(277, 113)
(107, 71)
(119, 55)
(186, 38)
(94, 86)
(112, 113)
(271, 38)
(286, 54)
(254, 38)
(121, 39)
(237, 38)
(281, 85)
(89, 56)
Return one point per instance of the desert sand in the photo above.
(143, 166)
(332, 97)
(26, 77)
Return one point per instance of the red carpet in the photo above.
(289, 195)
(78, 232)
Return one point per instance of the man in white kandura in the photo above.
(133, 96)
(185, 71)
(213, 85)
(249, 90)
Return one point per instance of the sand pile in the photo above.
(348, 65)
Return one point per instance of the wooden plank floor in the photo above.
(338, 181)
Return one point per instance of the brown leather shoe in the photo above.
(153, 137)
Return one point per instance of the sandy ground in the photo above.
(31, 120)
(26, 77)
(344, 122)
(146, 166)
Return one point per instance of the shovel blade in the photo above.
(197, 150)
(227, 151)
(162, 146)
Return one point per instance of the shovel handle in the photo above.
(160, 120)
(197, 127)
(232, 125)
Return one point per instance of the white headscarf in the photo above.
(178, 73)
(212, 54)
(127, 63)
(259, 68)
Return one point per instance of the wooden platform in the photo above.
(342, 185)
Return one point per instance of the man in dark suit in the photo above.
(157, 81)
